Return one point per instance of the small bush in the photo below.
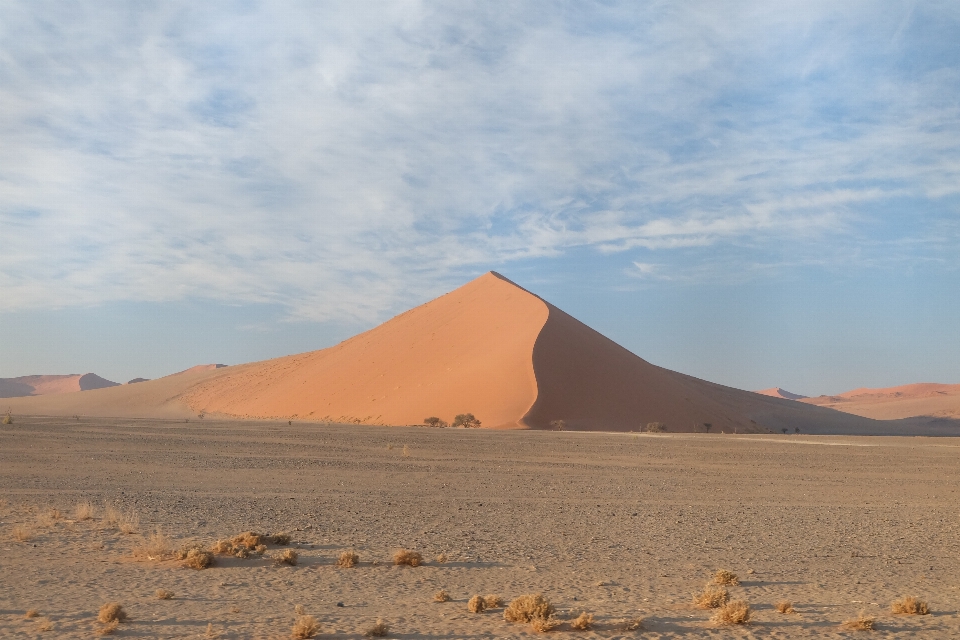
(197, 558)
(476, 604)
(784, 606)
(722, 576)
(527, 607)
(223, 547)
(492, 601)
(441, 558)
(44, 625)
(711, 597)
(156, 547)
(558, 425)
(861, 623)
(656, 427)
(128, 523)
(287, 557)
(31, 613)
(379, 630)
(407, 557)
(112, 611)
(909, 605)
(583, 622)
(466, 420)
(736, 612)
(84, 511)
(279, 539)
(247, 539)
(21, 534)
(242, 552)
(8, 419)
(260, 549)
(300, 610)
(441, 596)
(631, 624)
(108, 628)
(164, 594)
(544, 625)
(111, 515)
(305, 627)
(435, 422)
(348, 559)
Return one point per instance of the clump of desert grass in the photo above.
(44, 625)
(861, 623)
(164, 594)
(631, 624)
(735, 612)
(195, 557)
(348, 558)
(108, 628)
(211, 632)
(8, 419)
(111, 515)
(305, 627)
(712, 597)
(156, 547)
(441, 596)
(31, 613)
(280, 539)
(476, 604)
(533, 609)
(909, 605)
(722, 576)
(441, 558)
(492, 601)
(405, 557)
(379, 629)
(84, 511)
(287, 557)
(784, 606)
(21, 534)
(112, 612)
(583, 622)
(128, 523)
(248, 540)
(406, 451)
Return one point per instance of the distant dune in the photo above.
(777, 392)
(490, 348)
(893, 403)
(47, 385)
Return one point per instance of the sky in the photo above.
(758, 194)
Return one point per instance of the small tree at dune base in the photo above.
(434, 421)
(558, 425)
(656, 427)
(466, 420)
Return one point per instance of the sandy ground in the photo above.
(619, 525)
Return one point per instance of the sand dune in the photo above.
(46, 385)
(777, 392)
(490, 348)
(893, 403)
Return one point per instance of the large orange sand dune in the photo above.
(46, 385)
(490, 348)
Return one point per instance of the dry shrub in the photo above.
(45, 625)
(279, 538)
(476, 604)
(442, 558)
(223, 547)
(711, 597)
(242, 552)
(544, 625)
(211, 632)
(128, 523)
(108, 628)
(527, 607)
(784, 606)
(247, 539)
(111, 515)
(406, 451)
(21, 534)
(84, 511)
(909, 605)
(54, 514)
(722, 576)
(583, 622)
(492, 601)
(656, 427)
(31, 613)
(348, 559)
(441, 596)
(287, 557)
(305, 627)
(112, 611)
(860, 623)
(197, 558)
(156, 547)
(736, 612)
(300, 610)
(260, 549)
(379, 630)
(45, 520)
(164, 594)
(408, 558)
(631, 624)
(8, 419)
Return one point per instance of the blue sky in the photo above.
(758, 194)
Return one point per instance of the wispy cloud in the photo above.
(342, 159)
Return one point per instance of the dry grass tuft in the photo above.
(279, 538)
(108, 628)
(211, 632)
(722, 576)
(527, 607)
(8, 419)
(164, 594)
(197, 558)
(860, 623)
(408, 558)
(54, 514)
(305, 627)
(21, 534)
(111, 515)
(287, 557)
(379, 630)
(45, 625)
(544, 625)
(711, 597)
(260, 549)
(84, 511)
(31, 613)
(223, 547)
(476, 604)
(736, 612)
(156, 547)
(406, 451)
(441, 596)
(247, 539)
(631, 624)
(128, 523)
(300, 610)
(583, 622)
(45, 520)
(442, 558)
(348, 559)
(492, 601)
(242, 552)
(784, 606)
(909, 605)
(112, 611)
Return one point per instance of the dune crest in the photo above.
(777, 392)
(894, 403)
(52, 384)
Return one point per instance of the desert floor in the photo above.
(620, 525)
